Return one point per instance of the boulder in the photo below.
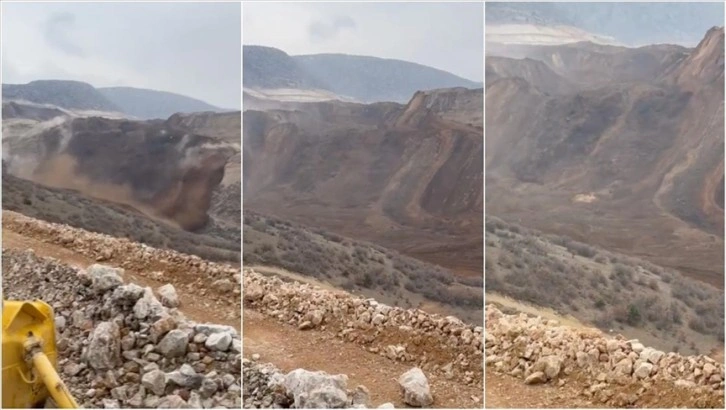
(168, 296)
(104, 278)
(174, 344)
(104, 347)
(415, 388)
(316, 389)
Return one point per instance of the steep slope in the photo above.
(369, 79)
(225, 127)
(648, 151)
(405, 177)
(533, 71)
(153, 166)
(74, 95)
(590, 65)
(148, 104)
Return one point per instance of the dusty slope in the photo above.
(181, 170)
(648, 151)
(378, 342)
(405, 177)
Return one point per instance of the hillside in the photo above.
(658, 306)
(631, 163)
(369, 79)
(117, 101)
(73, 95)
(160, 328)
(277, 75)
(381, 172)
(268, 67)
(358, 267)
(148, 104)
(169, 184)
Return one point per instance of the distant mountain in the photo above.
(72, 95)
(77, 95)
(631, 24)
(362, 78)
(267, 67)
(372, 79)
(148, 104)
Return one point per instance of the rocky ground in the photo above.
(210, 290)
(121, 346)
(404, 346)
(594, 369)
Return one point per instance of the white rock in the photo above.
(643, 370)
(168, 295)
(316, 390)
(415, 388)
(104, 277)
(148, 306)
(104, 346)
(155, 381)
(218, 341)
(174, 344)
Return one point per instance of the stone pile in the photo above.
(436, 344)
(541, 351)
(127, 254)
(265, 386)
(120, 346)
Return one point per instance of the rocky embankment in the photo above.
(216, 281)
(120, 346)
(433, 343)
(614, 371)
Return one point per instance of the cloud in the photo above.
(448, 36)
(322, 31)
(56, 33)
(193, 49)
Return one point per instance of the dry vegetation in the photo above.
(214, 242)
(610, 291)
(358, 266)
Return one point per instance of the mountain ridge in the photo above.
(362, 78)
(135, 102)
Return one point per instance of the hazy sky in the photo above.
(192, 49)
(447, 36)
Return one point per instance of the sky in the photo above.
(193, 49)
(447, 36)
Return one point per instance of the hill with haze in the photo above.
(360, 78)
(134, 102)
(626, 24)
(614, 155)
(148, 104)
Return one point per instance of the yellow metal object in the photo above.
(29, 357)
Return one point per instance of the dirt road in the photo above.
(289, 348)
(197, 308)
